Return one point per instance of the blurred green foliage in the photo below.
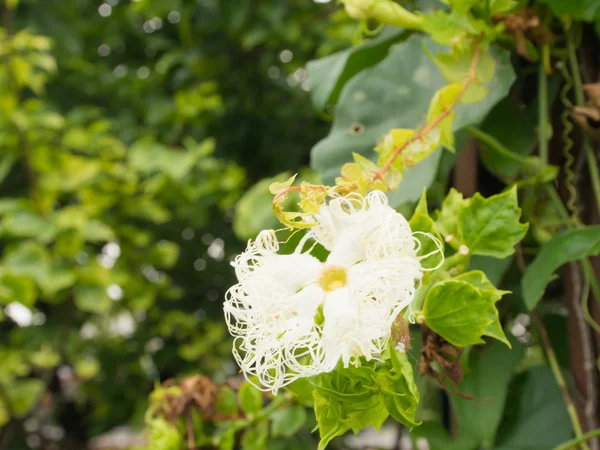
(128, 130)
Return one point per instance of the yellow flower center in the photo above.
(332, 278)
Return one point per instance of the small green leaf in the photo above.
(255, 438)
(568, 245)
(27, 258)
(421, 223)
(447, 217)
(400, 393)
(286, 422)
(92, 298)
(441, 103)
(4, 417)
(486, 226)
(277, 186)
(24, 394)
(462, 312)
(250, 399)
(17, 288)
(227, 440)
(87, 368)
(346, 399)
(165, 254)
(226, 402)
(481, 282)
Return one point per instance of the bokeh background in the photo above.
(128, 132)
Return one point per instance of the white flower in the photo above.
(370, 275)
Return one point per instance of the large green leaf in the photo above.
(568, 245)
(536, 417)
(490, 370)
(396, 94)
(329, 74)
(17, 288)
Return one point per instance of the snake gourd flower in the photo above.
(294, 316)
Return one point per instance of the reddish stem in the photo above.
(436, 121)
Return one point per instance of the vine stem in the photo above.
(560, 379)
(543, 112)
(472, 75)
(584, 437)
(580, 101)
(555, 198)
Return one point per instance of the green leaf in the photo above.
(250, 398)
(456, 67)
(438, 438)
(4, 416)
(23, 223)
(494, 268)
(302, 389)
(587, 10)
(286, 422)
(535, 417)
(420, 223)
(346, 399)
(254, 211)
(27, 258)
(226, 402)
(490, 371)
(440, 104)
(87, 368)
(486, 226)
(328, 75)
(255, 438)
(480, 281)
(24, 394)
(461, 312)
(17, 288)
(393, 94)
(92, 298)
(227, 440)
(568, 245)
(400, 393)
(165, 254)
(55, 280)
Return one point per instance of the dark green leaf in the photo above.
(536, 417)
(328, 75)
(568, 245)
(587, 10)
(490, 371)
(394, 94)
